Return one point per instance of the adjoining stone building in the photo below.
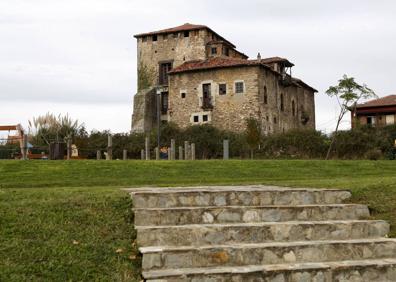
(200, 77)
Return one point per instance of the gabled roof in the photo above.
(184, 27)
(214, 62)
(381, 102)
(273, 60)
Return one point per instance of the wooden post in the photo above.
(124, 155)
(169, 154)
(157, 154)
(226, 149)
(147, 148)
(109, 147)
(193, 151)
(25, 147)
(68, 148)
(186, 157)
(98, 154)
(173, 149)
(180, 153)
(142, 155)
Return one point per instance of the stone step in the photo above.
(234, 196)
(260, 232)
(380, 270)
(238, 214)
(155, 258)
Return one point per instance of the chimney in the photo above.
(258, 56)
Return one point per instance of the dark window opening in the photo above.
(183, 95)
(186, 34)
(293, 108)
(222, 89)
(274, 119)
(267, 118)
(239, 87)
(155, 37)
(213, 50)
(265, 95)
(226, 51)
(144, 39)
(163, 73)
(207, 96)
(165, 36)
(164, 102)
(282, 106)
(205, 118)
(196, 118)
(371, 120)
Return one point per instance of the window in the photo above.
(164, 102)
(183, 95)
(371, 120)
(186, 34)
(164, 68)
(265, 95)
(274, 119)
(267, 118)
(207, 96)
(293, 108)
(205, 118)
(196, 118)
(213, 50)
(155, 37)
(165, 36)
(282, 106)
(239, 87)
(144, 39)
(222, 89)
(226, 51)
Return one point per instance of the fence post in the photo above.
(186, 150)
(124, 155)
(157, 154)
(193, 151)
(25, 147)
(68, 148)
(173, 149)
(98, 154)
(142, 155)
(226, 149)
(180, 153)
(169, 154)
(147, 148)
(109, 147)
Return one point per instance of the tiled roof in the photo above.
(276, 60)
(212, 63)
(381, 102)
(184, 27)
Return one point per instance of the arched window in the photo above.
(293, 108)
(282, 106)
(265, 95)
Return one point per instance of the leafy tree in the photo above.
(348, 93)
(253, 134)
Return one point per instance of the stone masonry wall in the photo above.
(231, 110)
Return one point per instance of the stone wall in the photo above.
(144, 110)
(230, 111)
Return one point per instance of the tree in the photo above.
(348, 93)
(253, 134)
(47, 128)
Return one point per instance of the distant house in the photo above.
(378, 112)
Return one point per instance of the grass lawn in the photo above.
(68, 221)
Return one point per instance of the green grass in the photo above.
(46, 206)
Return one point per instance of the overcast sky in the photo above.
(79, 56)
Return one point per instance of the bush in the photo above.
(374, 155)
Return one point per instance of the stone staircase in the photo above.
(259, 233)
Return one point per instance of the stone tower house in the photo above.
(191, 75)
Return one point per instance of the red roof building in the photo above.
(378, 112)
